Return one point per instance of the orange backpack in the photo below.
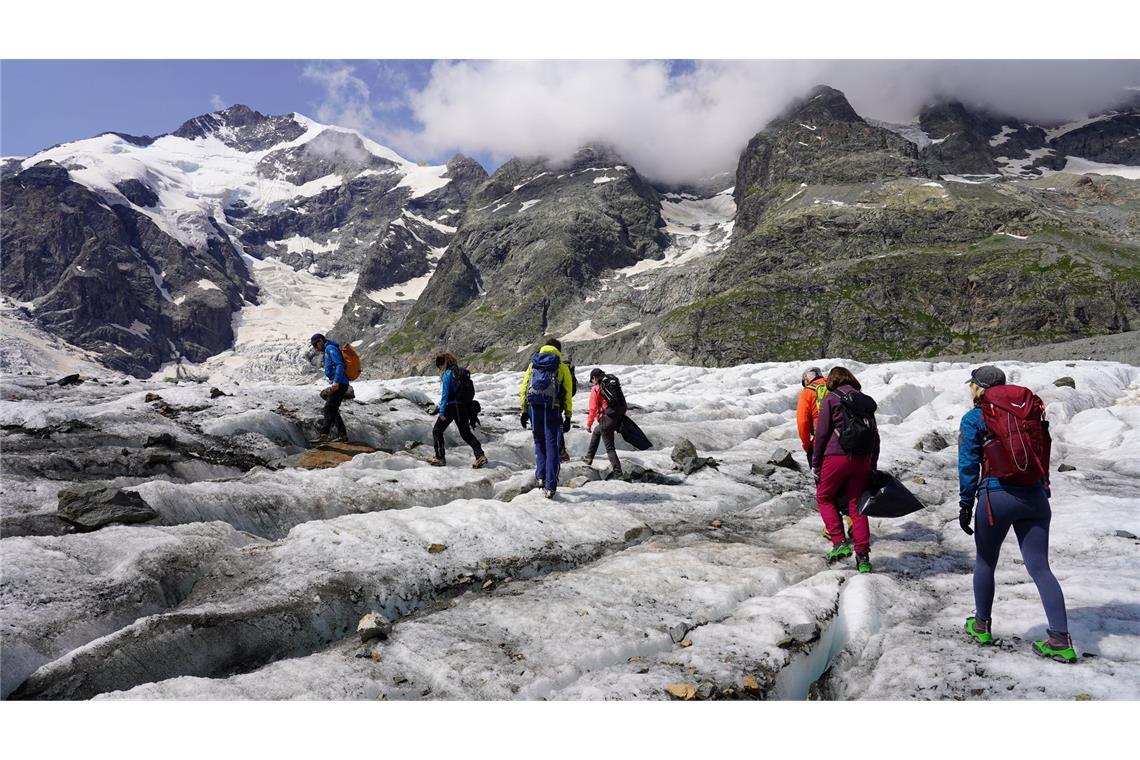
(351, 361)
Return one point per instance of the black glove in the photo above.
(524, 419)
(815, 474)
(807, 453)
(965, 517)
(566, 424)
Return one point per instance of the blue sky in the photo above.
(47, 102)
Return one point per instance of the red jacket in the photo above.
(597, 404)
(807, 413)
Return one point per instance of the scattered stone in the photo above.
(977, 692)
(634, 658)
(577, 482)
(217, 393)
(682, 451)
(1065, 382)
(162, 439)
(715, 524)
(750, 683)
(66, 380)
(92, 507)
(488, 584)
(433, 410)
(783, 458)
(327, 455)
(685, 643)
(152, 397)
(1066, 468)
(918, 479)
(411, 445)
(1083, 697)
(1125, 534)
(705, 691)
(677, 632)
(801, 633)
(931, 442)
(692, 464)
(399, 678)
(376, 657)
(437, 548)
(373, 626)
(764, 470)
(681, 691)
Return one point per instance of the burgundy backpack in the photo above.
(1017, 446)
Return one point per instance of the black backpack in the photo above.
(615, 398)
(466, 391)
(573, 378)
(858, 434)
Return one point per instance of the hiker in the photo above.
(814, 386)
(454, 406)
(1012, 453)
(845, 452)
(564, 454)
(334, 394)
(544, 394)
(608, 419)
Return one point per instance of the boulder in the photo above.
(327, 455)
(1065, 467)
(373, 626)
(682, 451)
(92, 507)
(152, 397)
(692, 464)
(217, 393)
(931, 442)
(783, 458)
(764, 470)
(74, 379)
(1065, 382)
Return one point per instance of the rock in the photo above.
(783, 458)
(919, 480)
(488, 584)
(92, 507)
(681, 691)
(715, 524)
(705, 690)
(162, 439)
(750, 683)
(327, 455)
(1065, 382)
(692, 464)
(217, 393)
(1125, 534)
(437, 548)
(373, 626)
(765, 470)
(152, 397)
(1063, 467)
(932, 441)
(74, 379)
(411, 445)
(682, 451)
(577, 482)
(677, 632)
(1083, 697)
(684, 643)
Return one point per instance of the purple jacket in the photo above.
(827, 429)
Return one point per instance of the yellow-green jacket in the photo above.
(565, 382)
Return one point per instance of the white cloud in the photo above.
(693, 124)
(217, 102)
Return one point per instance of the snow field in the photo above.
(604, 572)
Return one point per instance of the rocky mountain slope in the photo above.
(150, 250)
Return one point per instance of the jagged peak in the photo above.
(822, 104)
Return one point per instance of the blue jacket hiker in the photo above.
(1001, 506)
(545, 394)
(451, 409)
(333, 363)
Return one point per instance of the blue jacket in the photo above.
(450, 385)
(334, 363)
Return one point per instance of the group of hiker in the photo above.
(1003, 455)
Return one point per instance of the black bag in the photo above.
(632, 435)
(887, 497)
(473, 410)
(573, 379)
(857, 437)
(614, 396)
(466, 392)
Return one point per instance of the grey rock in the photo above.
(1063, 467)
(764, 470)
(73, 379)
(783, 458)
(1125, 534)
(677, 632)
(1065, 382)
(932, 442)
(693, 464)
(373, 626)
(217, 393)
(92, 507)
(683, 450)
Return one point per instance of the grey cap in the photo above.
(987, 376)
(811, 373)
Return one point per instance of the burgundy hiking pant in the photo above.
(851, 474)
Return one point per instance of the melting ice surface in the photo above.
(249, 584)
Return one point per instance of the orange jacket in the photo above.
(807, 412)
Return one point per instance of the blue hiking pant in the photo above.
(546, 426)
(1026, 510)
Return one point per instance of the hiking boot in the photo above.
(1059, 647)
(979, 630)
(587, 460)
(863, 562)
(437, 462)
(321, 438)
(548, 493)
(839, 551)
(482, 460)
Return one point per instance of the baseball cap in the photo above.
(987, 376)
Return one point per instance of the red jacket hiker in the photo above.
(597, 405)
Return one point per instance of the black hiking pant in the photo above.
(458, 414)
(604, 431)
(332, 413)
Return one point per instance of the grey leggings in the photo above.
(1027, 511)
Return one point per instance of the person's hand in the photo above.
(334, 387)
(588, 428)
(524, 419)
(442, 417)
(566, 424)
(815, 475)
(965, 518)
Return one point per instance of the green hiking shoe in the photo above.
(982, 637)
(863, 561)
(1061, 651)
(839, 551)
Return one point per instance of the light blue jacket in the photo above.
(334, 363)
